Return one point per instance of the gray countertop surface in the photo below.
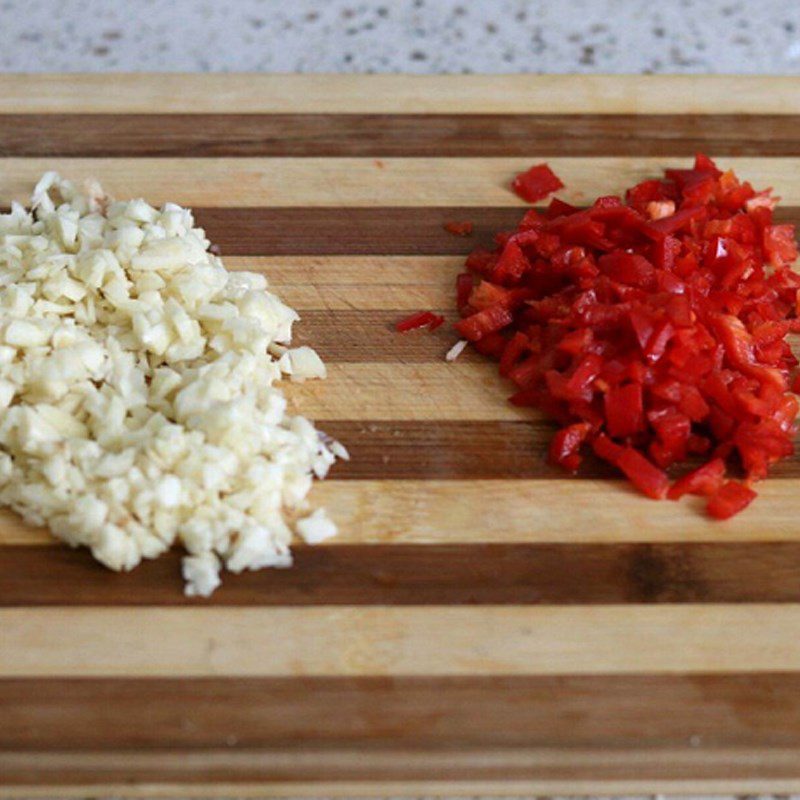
(410, 36)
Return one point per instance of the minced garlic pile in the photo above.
(137, 397)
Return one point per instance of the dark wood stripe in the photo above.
(457, 450)
(448, 450)
(468, 450)
(491, 574)
(361, 231)
(389, 230)
(387, 135)
(350, 231)
(609, 712)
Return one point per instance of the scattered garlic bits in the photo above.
(138, 405)
(456, 350)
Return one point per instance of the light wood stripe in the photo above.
(397, 94)
(350, 771)
(429, 574)
(139, 782)
(354, 182)
(342, 283)
(375, 271)
(382, 135)
(519, 511)
(400, 297)
(433, 641)
(369, 297)
(543, 511)
(453, 391)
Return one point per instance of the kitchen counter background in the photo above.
(409, 36)
(419, 36)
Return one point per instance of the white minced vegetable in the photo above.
(138, 405)
(316, 528)
(301, 364)
(456, 350)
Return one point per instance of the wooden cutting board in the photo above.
(482, 624)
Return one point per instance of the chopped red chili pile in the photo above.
(421, 319)
(459, 228)
(652, 328)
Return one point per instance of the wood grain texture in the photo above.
(368, 297)
(422, 450)
(430, 574)
(368, 283)
(452, 391)
(389, 450)
(371, 772)
(380, 135)
(400, 231)
(483, 624)
(570, 772)
(396, 94)
(336, 232)
(351, 641)
(355, 336)
(344, 183)
(425, 511)
(453, 450)
(582, 711)
(375, 271)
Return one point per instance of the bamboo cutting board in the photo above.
(482, 624)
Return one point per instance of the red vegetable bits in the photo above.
(459, 228)
(731, 498)
(652, 328)
(536, 183)
(421, 319)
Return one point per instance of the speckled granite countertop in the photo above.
(407, 36)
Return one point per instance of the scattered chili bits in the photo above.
(536, 183)
(652, 328)
(420, 319)
(459, 228)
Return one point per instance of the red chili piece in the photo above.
(705, 480)
(536, 183)
(422, 319)
(459, 228)
(732, 498)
